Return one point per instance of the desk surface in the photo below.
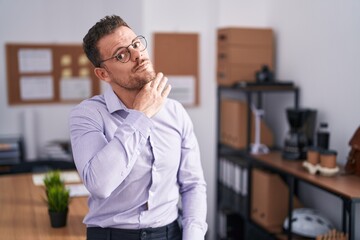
(344, 185)
(24, 212)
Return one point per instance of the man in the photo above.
(134, 149)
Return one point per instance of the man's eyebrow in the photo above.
(116, 50)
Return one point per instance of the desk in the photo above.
(346, 187)
(24, 212)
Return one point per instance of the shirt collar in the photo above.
(113, 103)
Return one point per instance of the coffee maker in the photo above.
(301, 134)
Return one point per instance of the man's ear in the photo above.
(102, 74)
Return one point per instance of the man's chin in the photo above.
(148, 75)
(144, 78)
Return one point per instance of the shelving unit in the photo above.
(232, 204)
(228, 199)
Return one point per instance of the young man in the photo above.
(134, 149)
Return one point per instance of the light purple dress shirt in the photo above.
(137, 167)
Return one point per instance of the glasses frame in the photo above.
(139, 37)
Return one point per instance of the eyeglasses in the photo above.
(123, 55)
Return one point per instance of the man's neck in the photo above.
(127, 97)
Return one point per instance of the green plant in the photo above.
(52, 178)
(58, 198)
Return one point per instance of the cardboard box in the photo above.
(233, 127)
(228, 74)
(242, 52)
(245, 36)
(245, 56)
(269, 199)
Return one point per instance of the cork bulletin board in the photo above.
(177, 56)
(49, 73)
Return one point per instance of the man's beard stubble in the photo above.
(137, 80)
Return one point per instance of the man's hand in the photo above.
(151, 97)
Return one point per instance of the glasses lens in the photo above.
(140, 43)
(123, 55)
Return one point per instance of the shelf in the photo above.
(225, 150)
(251, 87)
(230, 201)
(344, 185)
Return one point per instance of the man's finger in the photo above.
(155, 82)
(166, 91)
(162, 84)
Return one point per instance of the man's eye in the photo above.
(136, 44)
(121, 55)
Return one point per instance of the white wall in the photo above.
(318, 47)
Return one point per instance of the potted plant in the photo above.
(58, 199)
(52, 178)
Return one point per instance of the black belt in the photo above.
(170, 231)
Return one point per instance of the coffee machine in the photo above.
(301, 133)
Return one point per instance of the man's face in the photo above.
(135, 73)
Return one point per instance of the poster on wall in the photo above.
(182, 89)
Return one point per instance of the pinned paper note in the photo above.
(83, 60)
(75, 88)
(36, 88)
(65, 60)
(84, 72)
(35, 60)
(66, 72)
(182, 89)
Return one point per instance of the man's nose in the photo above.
(135, 54)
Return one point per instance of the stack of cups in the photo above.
(320, 157)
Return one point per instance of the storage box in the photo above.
(269, 199)
(227, 73)
(242, 52)
(245, 36)
(233, 128)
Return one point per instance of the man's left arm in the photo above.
(192, 185)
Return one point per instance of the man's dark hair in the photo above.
(102, 28)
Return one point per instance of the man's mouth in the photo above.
(142, 66)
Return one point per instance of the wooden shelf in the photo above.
(341, 184)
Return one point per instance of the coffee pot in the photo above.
(300, 134)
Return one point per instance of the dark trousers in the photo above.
(169, 232)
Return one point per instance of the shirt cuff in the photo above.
(140, 122)
(193, 233)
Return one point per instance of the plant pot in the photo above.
(58, 219)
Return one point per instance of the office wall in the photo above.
(40, 21)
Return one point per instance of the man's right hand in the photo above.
(151, 97)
